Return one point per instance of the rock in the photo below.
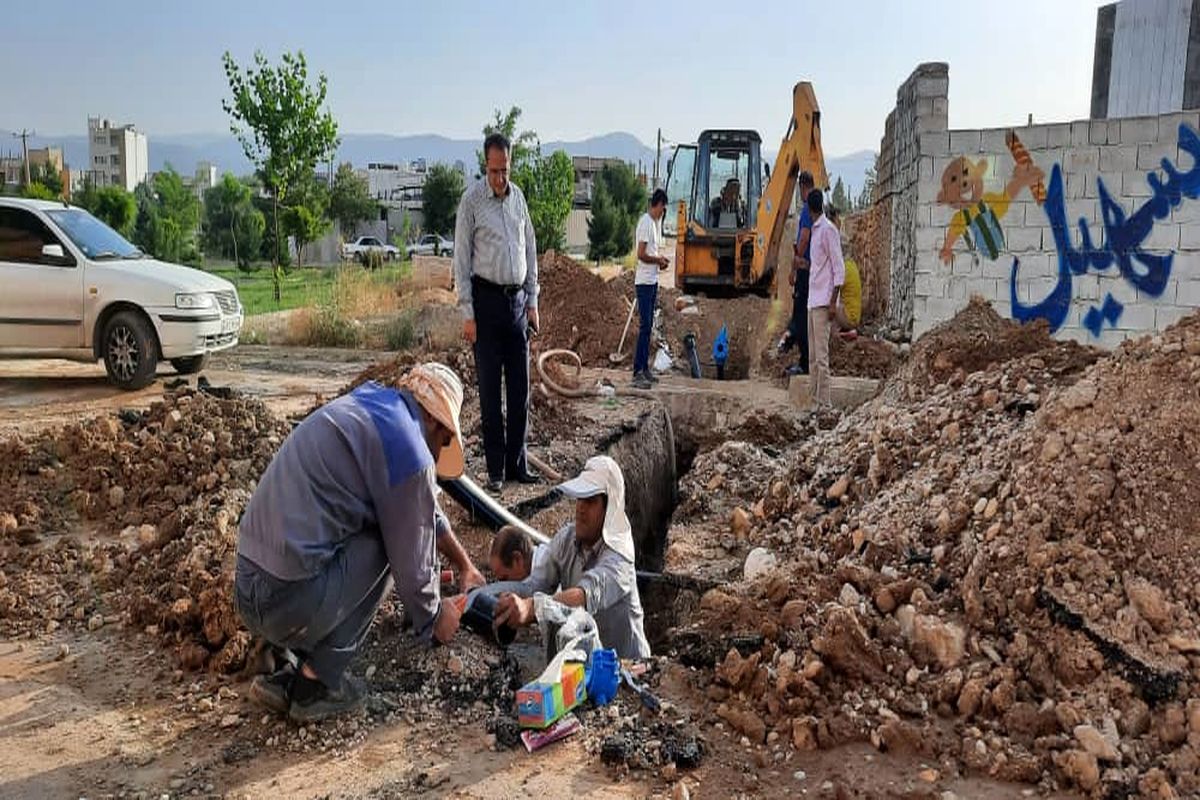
(1188, 645)
(804, 733)
(1193, 715)
(1081, 768)
(171, 422)
(680, 790)
(95, 623)
(8, 523)
(989, 398)
(1052, 447)
(971, 697)
(885, 601)
(791, 616)
(1096, 743)
(1149, 601)
(116, 497)
(1172, 726)
(990, 510)
(454, 665)
(740, 523)
(849, 596)
(371, 670)
(745, 721)
(147, 535)
(759, 562)
(943, 642)
(845, 646)
(64, 650)
(839, 489)
(230, 720)
(906, 615)
(929, 775)
(670, 771)
(1081, 395)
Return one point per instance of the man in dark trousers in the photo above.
(496, 273)
(797, 332)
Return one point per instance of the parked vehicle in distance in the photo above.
(73, 288)
(360, 247)
(431, 244)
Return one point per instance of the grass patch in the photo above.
(401, 332)
(313, 286)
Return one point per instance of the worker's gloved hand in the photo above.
(514, 611)
(471, 578)
(448, 618)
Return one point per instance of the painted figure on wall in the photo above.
(978, 213)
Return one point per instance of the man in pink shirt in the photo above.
(826, 274)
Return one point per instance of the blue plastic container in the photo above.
(604, 676)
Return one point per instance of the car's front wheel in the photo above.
(129, 350)
(189, 365)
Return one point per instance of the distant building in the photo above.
(586, 168)
(1147, 58)
(398, 185)
(12, 166)
(118, 155)
(206, 175)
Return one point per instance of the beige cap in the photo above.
(440, 393)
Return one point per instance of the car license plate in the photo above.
(231, 324)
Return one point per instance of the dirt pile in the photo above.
(580, 311)
(749, 320)
(163, 491)
(863, 358)
(868, 241)
(996, 571)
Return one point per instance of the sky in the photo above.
(576, 67)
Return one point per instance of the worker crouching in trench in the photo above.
(589, 564)
(348, 504)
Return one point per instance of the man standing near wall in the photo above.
(826, 275)
(797, 332)
(496, 271)
(650, 263)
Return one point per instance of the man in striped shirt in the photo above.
(496, 273)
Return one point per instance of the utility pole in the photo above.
(24, 137)
(657, 157)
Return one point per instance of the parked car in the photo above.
(358, 249)
(431, 244)
(72, 287)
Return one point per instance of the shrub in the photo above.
(401, 333)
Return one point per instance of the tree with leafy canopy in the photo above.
(233, 227)
(48, 176)
(112, 205)
(350, 200)
(622, 198)
(307, 216)
(443, 188)
(602, 224)
(839, 198)
(168, 218)
(36, 190)
(278, 118)
(524, 145)
(548, 183)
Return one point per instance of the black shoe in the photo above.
(797, 370)
(526, 477)
(648, 375)
(495, 485)
(326, 702)
(640, 381)
(274, 691)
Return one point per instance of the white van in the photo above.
(71, 287)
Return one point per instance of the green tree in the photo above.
(168, 218)
(112, 205)
(602, 225)
(443, 188)
(39, 191)
(48, 176)
(839, 198)
(549, 184)
(233, 227)
(350, 200)
(277, 116)
(524, 144)
(307, 216)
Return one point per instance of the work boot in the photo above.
(322, 702)
(527, 477)
(640, 381)
(650, 376)
(494, 485)
(274, 691)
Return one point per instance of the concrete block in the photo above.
(941, 110)
(940, 215)
(992, 141)
(1189, 238)
(930, 124)
(1137, 317)
(1073, 334)
(1077, 183)
(925, 168)
(1150, 156)
(928, 239)
(1139, 130)
(845, 392)
(1088, 209)
(1187, 293)
(1112, 184)
(999, 270)
(1119, 288)
(1168, 124)
(924, 106)
(1166, 316)
(927, 189)
(1082, 159)
(1023, 240)
(1033, 137)
(933, 87)
(1164, 237)
(1098, 131)
(1118, 158)
(1058, 135)
(1086, 287)
(964, 143)
(1080, 132)
(959, 290)
(930, 286)
(1186, 212)
(970, 267)
(1133, 184)
(1110, 338)
(935, 143)
(1034, 215)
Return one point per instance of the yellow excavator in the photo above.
(728, 227)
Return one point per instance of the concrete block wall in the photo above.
(1097, 302)
(921, 110)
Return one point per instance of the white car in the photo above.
(360, 247)
(431, 244)
(71, 287)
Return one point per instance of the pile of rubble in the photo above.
(990, 567)
(580, 311)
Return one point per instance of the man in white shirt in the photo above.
(649, 264)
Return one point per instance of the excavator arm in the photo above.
(800, 151)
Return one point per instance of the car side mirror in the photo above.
(54, 251)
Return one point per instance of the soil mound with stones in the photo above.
(580, 311)
(996, 570)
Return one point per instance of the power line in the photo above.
(24, 137)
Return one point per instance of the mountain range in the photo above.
(184, 151)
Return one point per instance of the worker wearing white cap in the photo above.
(590, 563)
(347, 505)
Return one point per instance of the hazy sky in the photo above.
(576, 67)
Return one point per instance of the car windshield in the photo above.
(93, 237)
